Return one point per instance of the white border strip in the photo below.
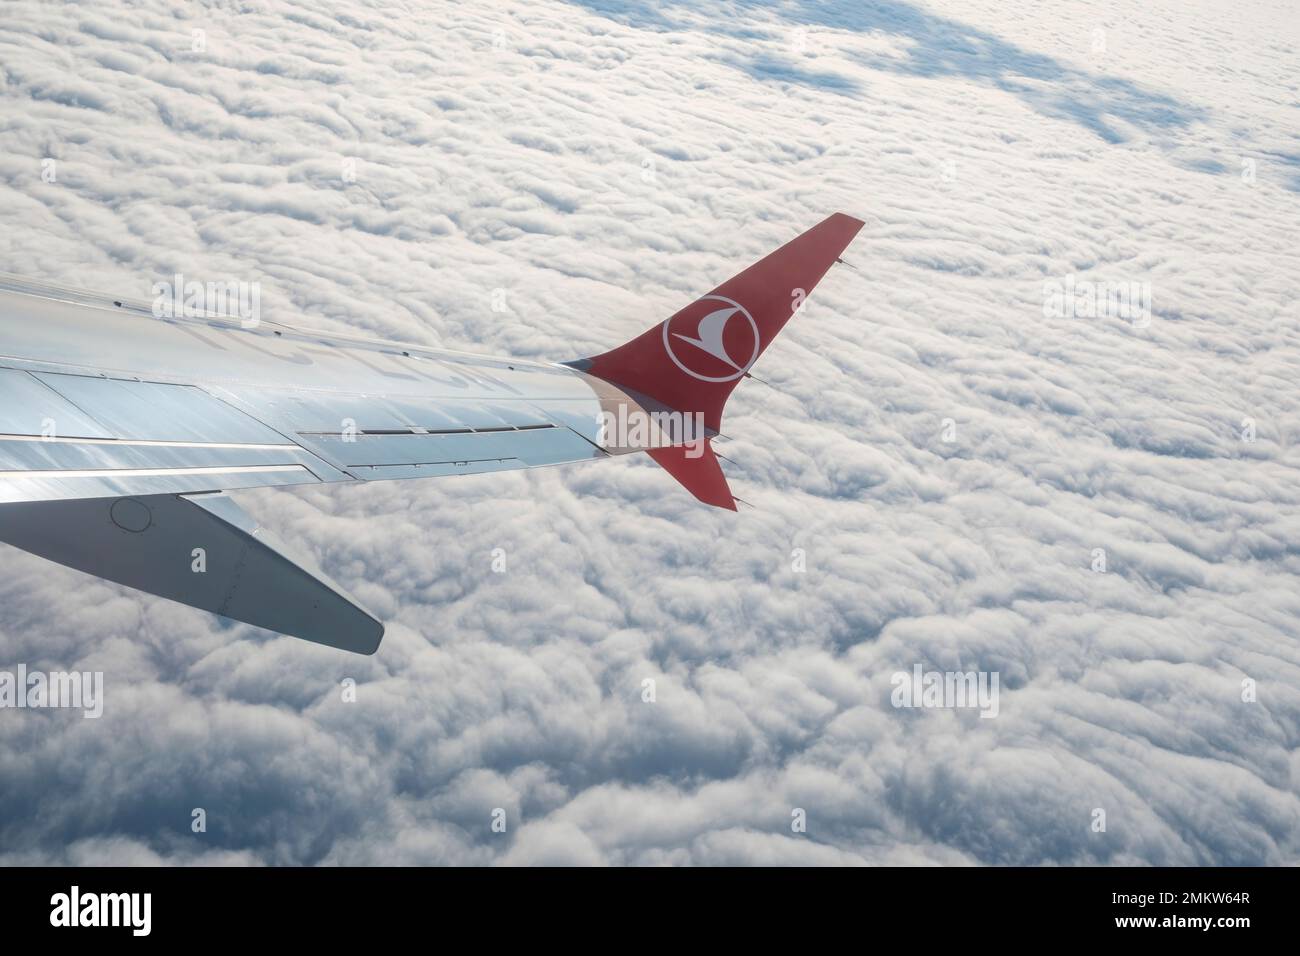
(154, 472)
(140, 443)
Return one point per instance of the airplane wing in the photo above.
(123, 424)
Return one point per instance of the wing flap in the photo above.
(533, 445)
(30, 407)
(158, 411)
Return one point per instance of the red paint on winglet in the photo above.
(702, 476)
(692, 362)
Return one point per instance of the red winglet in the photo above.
(702, 475)
(692, 361)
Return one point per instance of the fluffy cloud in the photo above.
(939, 452)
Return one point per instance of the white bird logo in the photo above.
(710, 335)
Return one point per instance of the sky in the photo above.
(952, 465)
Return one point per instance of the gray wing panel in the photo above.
(389, 437)
(34, 486)
(30, 407)
(66, 436)
(205, 552)
(318, 411)
(70, 436)
(542, 445)
(159, 412)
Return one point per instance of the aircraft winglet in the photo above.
(692, 362)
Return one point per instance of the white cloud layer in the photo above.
(604, 163)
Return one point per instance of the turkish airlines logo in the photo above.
(714, 339)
